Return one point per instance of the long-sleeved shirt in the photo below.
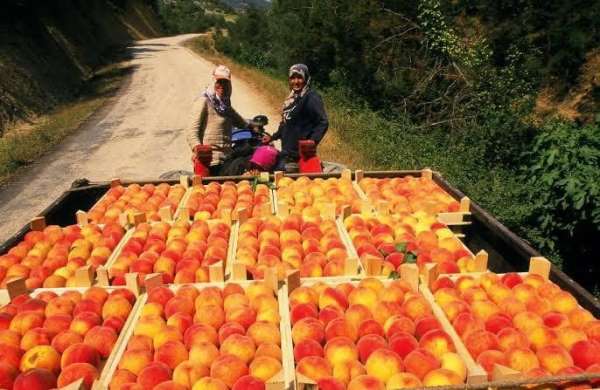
(206, 126)
(308, 121)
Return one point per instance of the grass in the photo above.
(274, 88)
(25, 143)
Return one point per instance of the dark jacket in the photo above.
(307, 121)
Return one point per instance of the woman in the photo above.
(303, 118)
(212, 119)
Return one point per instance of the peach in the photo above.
(329, 313)
(114, 323)
(539, 306)
(568, 336)
(203, 353)
(416, 307)
(564, 302)
(331, 383)
(212, 315)
(511, 306)
(171, 353)
(80, 353)
(121, 377)
(592, 330)
(444, 296)
(240, 346)
(35, 379)
(441, 377)
(479, 341)
(585, 353)
(368, 327)
(579, 317)
(554, 319)
(488, 359)
(383, 364)
(179, 305)
(160, 295)
(306, 348)
(248, 382)
(77, 371)
(208, 383)
(245, 316)
(497, 322)
(453, 362)
(442, 282)
(64, 339)
(303, 295)
(59, 305)
(181, 321)
(340, 350)
(425, 324)
(102, 338)
(484, 309)
(35, 336)
(419, 362)
(135, 360)
(169, 334)
(264, 332)
(403, 344)
(403, 380)
(42, 356)
(152, 309)
(8, 374)
(57, 323)
(96, 294)
(340, 327)
(363, 382)
(230, 328)
(331, 296)
(314, 367)
(149, 326)
(398, 324)
(303, 310)
(522, 360)
(87, 305)
(554, 358)
(10, 337)
(465, 323)
(271, 350)
(198, 333)
(437, 342)
(540, 337)
(264, 367)
(24, 321)
(363, 296)
(169, 385)
(357, 313)
(188, 373)
(138, 342)
(84, 321)
(454, 309)
(228, 368)
(308, 328)
(153, 374)
(510, 338)
(527, 321)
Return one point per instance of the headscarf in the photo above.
(291, 102)
(222, 104)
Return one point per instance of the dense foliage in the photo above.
(189, 16)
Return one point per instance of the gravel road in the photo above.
(140, 135)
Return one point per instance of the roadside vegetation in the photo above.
(455, 87)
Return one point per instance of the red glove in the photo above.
(203, 153)
(307, 148)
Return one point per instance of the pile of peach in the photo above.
(409, 194)
(210, 338)
(291, 243)
(526, 323)
(50, 341)
(317, 195)
(49, 258)
(370, 336)
(181, 251)
(135, 199)
(210, 200)
(417, 237)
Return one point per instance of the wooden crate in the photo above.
(456, 219)
(501, 375)
(282, 381)
(86, 275)
(216, 271)
(128, 221)
(18, 289)
(373, 266)
(237, 271)
(409, 273)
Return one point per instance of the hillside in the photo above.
(241, 4)
(47, 49)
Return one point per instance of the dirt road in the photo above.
(139, 136)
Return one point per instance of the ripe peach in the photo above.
(264, 367)
(308, 328)
(306, 348)
(383, 364)
(522, 360)
(425, 324)
(303, 295)
(479, 341)
(121, 377)
(340, 327)
(80, 353)
(331, 383)
(437, 342)
(314, 367)
(181, 321)
(441, 377)
(497, 322)
(271, 350)
(135, 360)
(240, 346)
(149, 326)
(153, 374)
(138, 342)
(57, 323)
(86, 305)
(102, 338)
(35, 336)
(208, 383)
(8, 374)
(453, 362)
(554, 358)
(171, 353)
(245, 316)
(160, 295)
(64, 339)
(228, 368)
(510, 338)
(24, 321)
(230, 328)
(403, 380)
(416, 307)
(169, 385)
(188, 373)
(585, 353)
(264, 332)
(340, 350)
(114, 323)
(454, 309)
(203, 353)
(329, 313)
(357, 313)
(248, 382)
(42, 356)
(398, 324)
(579, 317)
(527, 321)
(198, 333)
(179, 305)
(368, 327)
(363, 382)
(554, 319)
(10, 337)
(540, 337)
(592, 330)
(564, 302)
(212, 315)
(419, 362)
(488, 359)
(76, 371)
(35, 379)
(331, 296)
(84, 321)
(59, 305)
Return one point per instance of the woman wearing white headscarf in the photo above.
(213, 118)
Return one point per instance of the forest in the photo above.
(502, 97)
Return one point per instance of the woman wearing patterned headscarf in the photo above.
(303, 118)
(212, 120)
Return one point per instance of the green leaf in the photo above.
(401, 247)
(394, 275)
(410, 258)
